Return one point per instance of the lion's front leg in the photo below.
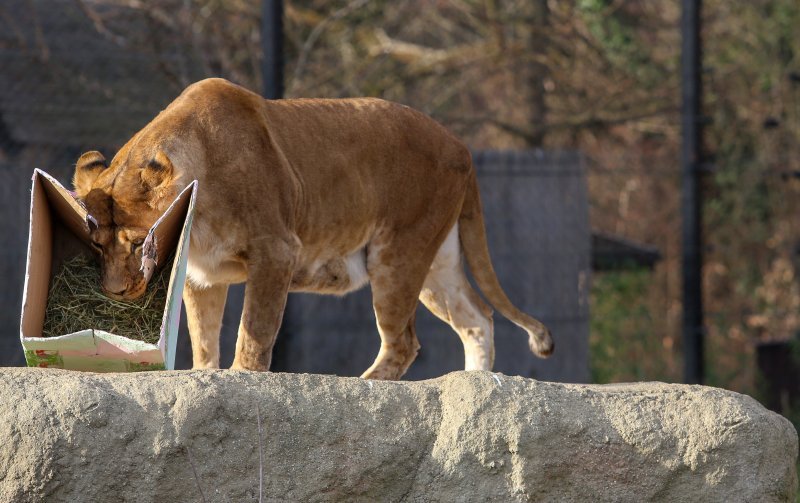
(204, 309)
(268, 277)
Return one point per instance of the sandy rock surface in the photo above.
(478, 436)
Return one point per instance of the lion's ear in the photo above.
(87, 169)
(158, 171)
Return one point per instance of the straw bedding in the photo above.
(75, 302)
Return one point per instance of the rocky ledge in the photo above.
(468, 436)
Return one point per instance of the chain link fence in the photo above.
(83, 75)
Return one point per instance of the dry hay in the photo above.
(76, 302)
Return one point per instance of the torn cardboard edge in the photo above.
(55, 210)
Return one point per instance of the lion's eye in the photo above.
(135, 245)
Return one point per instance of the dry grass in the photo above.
(76, 302)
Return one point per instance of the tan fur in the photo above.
(304, 195)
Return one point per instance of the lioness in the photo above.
(311, 195)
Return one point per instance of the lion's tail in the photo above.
(476, 250)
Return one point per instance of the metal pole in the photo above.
(272, 46)
(692, 200)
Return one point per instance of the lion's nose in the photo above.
(115, 287)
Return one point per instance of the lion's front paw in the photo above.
(205, 365)
(257, 364)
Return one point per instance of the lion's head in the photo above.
(125, 200)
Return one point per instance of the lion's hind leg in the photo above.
(448, 294)
(398, 351)
(394, 298)
(397, 268)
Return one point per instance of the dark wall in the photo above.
(14, 201)
(536, 211)
(66, 88)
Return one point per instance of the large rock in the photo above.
(167, 436)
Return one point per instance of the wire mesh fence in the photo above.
(83, 75)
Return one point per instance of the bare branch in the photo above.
(99, 25)
(316, 33)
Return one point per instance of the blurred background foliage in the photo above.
(601, 76)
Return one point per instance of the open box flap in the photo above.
(71, 213)
(88, 339)
(163, 236)
(182, 210)
(37, 271)
(93, 350)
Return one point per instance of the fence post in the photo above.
(692, 199)
(272, 47)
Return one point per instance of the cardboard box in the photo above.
(59, 231)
